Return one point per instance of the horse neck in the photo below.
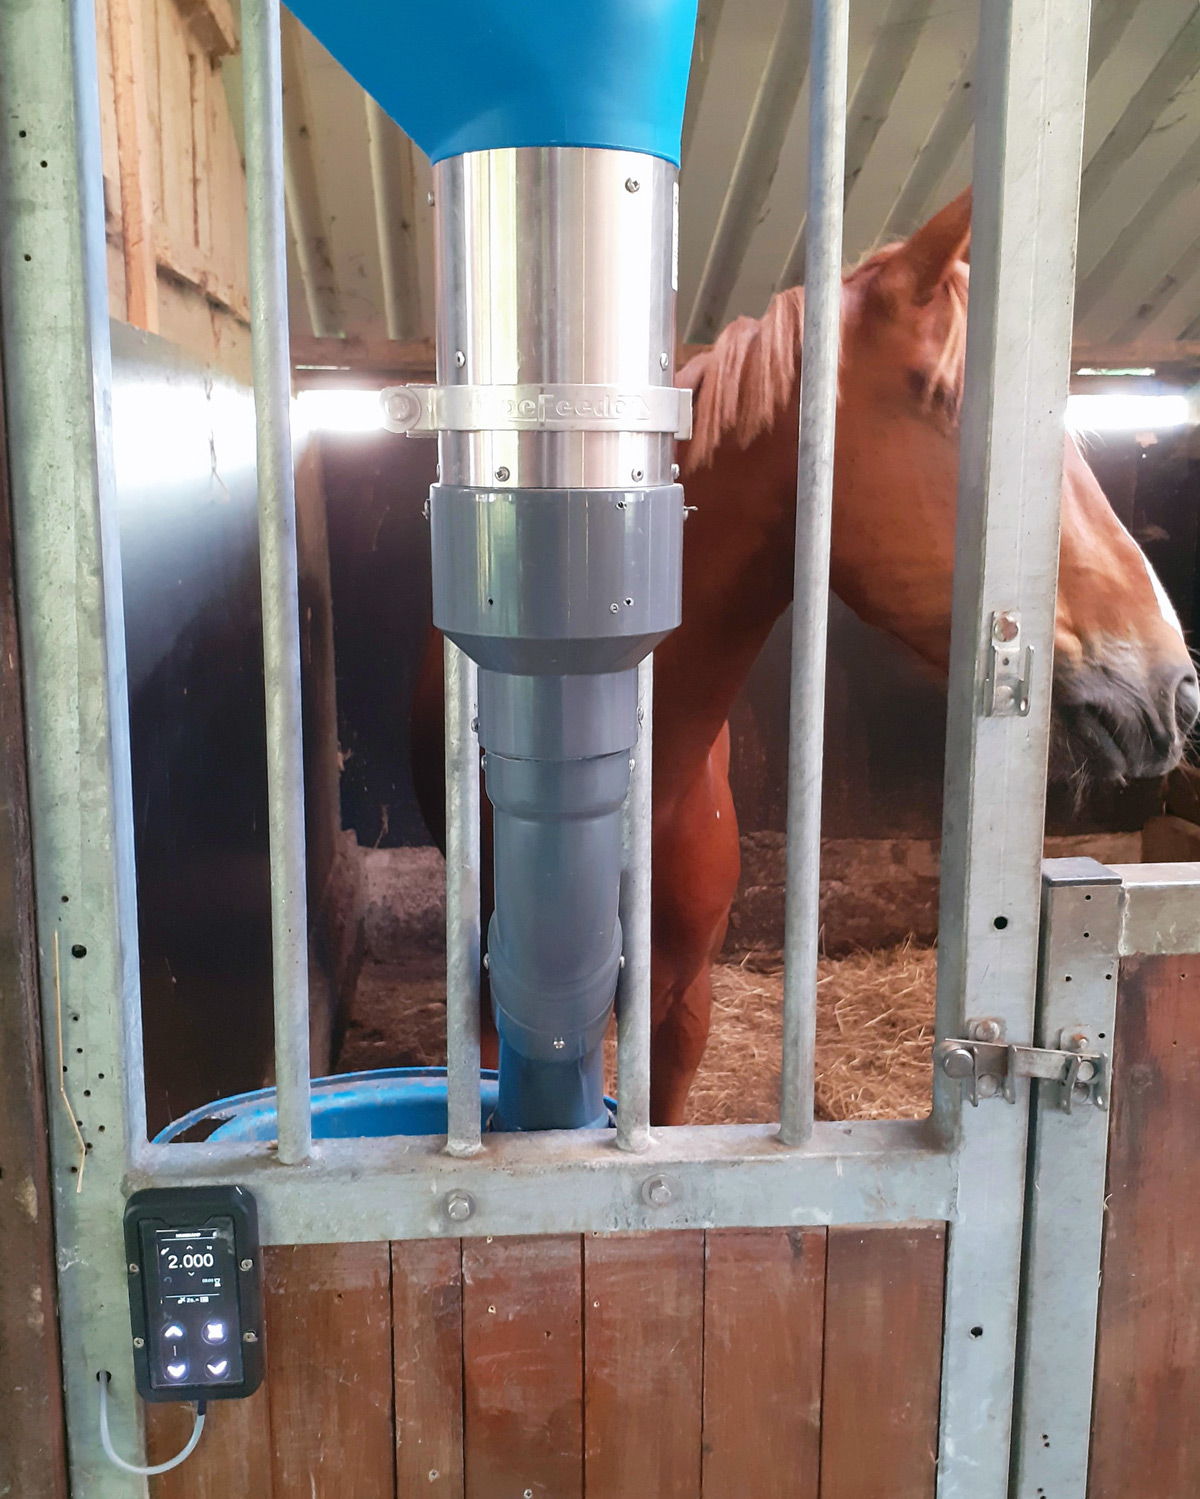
(737, 581)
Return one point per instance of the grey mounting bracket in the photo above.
(1009, 668)
(989, 1066)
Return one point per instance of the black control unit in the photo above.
(195, 1293)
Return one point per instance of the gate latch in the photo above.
(987, 1065)
(1009, 667)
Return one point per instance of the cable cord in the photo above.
(105, 1379)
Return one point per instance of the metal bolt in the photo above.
(1076, 1041)
(987, 1030)
(429, 199)
(249, 1337)
(1006, 626)
(247, 1265)
(459, 1206)
(636, 476)
(664, 359)
(621, 961)
(487, 962)
(1086, 1072)
(459, 358)
(559, 1043)
(134, 1269)
(528, 1494)
(632, 184)
(957, 1061)
(474, 726)
(988, 1086)
(502, 475)
(425, 509)
(491, 1311)
(139, 1342)
(656, 1191)
(674, 471)
(614, 608)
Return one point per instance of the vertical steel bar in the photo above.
(814, 509)
(462, 903)
(58, 388)
(1028, 144)
(262, 76)
(633, 989)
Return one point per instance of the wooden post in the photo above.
(137, 207)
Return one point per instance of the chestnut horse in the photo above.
(1125, 692)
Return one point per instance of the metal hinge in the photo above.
(988, 1066)
(1009, 668)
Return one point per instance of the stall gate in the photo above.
(1008, 1175)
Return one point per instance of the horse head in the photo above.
(1125, 689)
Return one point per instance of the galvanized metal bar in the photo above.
(814, 512)
(53, 285)
(462, 902)
(1160, 908)
(1032, 65)
(263, 100)
(633, 989)
(1064, 1215)
(715, 1176)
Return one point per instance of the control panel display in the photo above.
(195, 1293)
(195, 1274)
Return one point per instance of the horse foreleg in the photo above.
(677, 1048)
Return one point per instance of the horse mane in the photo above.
(745, 380)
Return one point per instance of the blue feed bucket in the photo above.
(354, 1106)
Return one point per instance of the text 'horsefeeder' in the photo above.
(556, 525)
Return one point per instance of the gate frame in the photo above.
(963, 1166)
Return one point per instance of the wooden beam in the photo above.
(1126, 355)
(133, 151)
(410, 360)
(305, 217)
(393, 194)
(1176, 67)
(784, 72)
(213, 25)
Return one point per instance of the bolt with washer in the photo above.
(247, 1265)
(657, 1192)
(459, 1206)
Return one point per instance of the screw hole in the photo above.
(100, 1075)
(64, 899)
(79, 951)
(1000, 922)
(1066, 978)
(1102, 1036)
(87, 1092)
(977, 1332)
(1087, 934)
(29, 257)
(44, 163)
(22, 133)
(1087, 897)
(101, 1128)
(1108, 975)
(491, 603)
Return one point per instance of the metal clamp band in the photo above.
(422, 410)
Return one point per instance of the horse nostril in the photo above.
(1187, 701)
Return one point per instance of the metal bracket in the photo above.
(1009, 669)
(988, 1065)
(424, 410)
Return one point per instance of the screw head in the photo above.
(664, 359)
(249, 1337)
(459, 358)
(502, 475)
(247, 1264)
(987, 1030)
(459, 1206)
(614, 608)
(559, 1043)
(632, 184)
(674, 471)
(134, 1269)
(656, 1191)
(139, 1342)
(636, 475)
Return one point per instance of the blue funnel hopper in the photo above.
(556, 523)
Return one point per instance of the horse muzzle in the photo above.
(1112, 724)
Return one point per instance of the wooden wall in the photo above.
(174, 185)
(766, 1363)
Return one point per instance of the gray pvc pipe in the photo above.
(554, 945)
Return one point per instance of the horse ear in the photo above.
(923, 261)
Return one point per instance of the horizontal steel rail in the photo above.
(709, 1176)
(1160, 908)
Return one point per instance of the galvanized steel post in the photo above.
(462, 903)
(633, 989)
(814, 513)
(262, 75)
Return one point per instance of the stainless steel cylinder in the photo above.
(556, 267)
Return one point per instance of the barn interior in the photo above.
(360, 267)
